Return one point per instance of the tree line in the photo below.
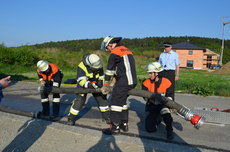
(141, 44)
(148, 43)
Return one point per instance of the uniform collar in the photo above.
(168, 52)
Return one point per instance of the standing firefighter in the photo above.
(89, 75)
(155, 110)
(121, 65)
(49, 75)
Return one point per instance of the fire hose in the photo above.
(195, 119)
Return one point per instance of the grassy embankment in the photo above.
(191, 81)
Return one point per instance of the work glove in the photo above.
(94, 84)
(105, 90)
(113, 82)
(42, 82)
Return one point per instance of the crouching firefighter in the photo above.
(90, 74)
(154, 109)
(49, 75)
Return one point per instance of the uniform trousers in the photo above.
(119, 108)
(153, 117)
(46, 104)
(79, 102)
(170, 74)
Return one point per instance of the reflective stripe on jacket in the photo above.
(121, 64)
(86, 76)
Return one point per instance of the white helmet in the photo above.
(43, 65)
(154, 67)
(94, 61)
(109, 39)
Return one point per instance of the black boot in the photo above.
(112, 130)
(71, 120)
(42, 115)
(124, 126)
(55, 117)
(45, 114)
(56, 107)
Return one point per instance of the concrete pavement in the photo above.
(26, 134)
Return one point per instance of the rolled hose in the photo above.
(196, 120)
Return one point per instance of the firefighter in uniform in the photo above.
(155, 110)
(49, 75)
(90, 74)
(121, 65)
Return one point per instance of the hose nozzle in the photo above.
(197, 121)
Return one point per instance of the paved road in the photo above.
(26, 134)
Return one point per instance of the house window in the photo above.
(209, 58)
(189, 63)
(190, 52)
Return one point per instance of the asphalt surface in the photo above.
(21, 133)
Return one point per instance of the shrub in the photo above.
(24, 56)
(5, 56)
(19, 56)
(195, 87)
(201, 90)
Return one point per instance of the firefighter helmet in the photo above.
(109, 39)
(154, 67)
(93, 61)
(43, 65)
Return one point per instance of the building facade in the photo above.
(195, 57)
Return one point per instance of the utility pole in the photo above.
(222, 46)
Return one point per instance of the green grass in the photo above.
(198, 82)
(203, 83)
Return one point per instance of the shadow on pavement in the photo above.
(106, 143)
(28, 134)
(160, 134)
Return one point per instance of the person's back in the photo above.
(122, 59)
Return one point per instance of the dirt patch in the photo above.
(225, 69)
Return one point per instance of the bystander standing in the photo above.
(170, 62)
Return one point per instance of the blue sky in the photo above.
(27, 22)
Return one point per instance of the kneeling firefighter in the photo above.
(90, 74)
(154, 109)
(49, 75)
